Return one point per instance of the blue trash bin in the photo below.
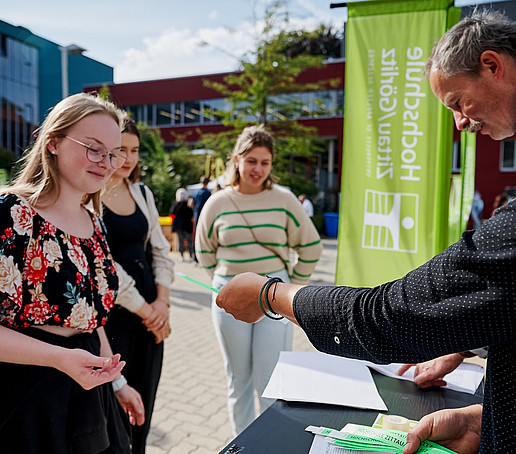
(331, 221)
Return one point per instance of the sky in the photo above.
(157, 39)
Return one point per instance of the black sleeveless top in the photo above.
(126, 238)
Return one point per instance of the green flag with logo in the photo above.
(396, 164)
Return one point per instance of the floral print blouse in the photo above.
(48, 277)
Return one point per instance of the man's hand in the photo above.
(457, 429)
(131, 402)
(239, 297)
(431, 373)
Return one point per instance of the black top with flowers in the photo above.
(48, 277)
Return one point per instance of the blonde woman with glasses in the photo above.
(58, 283)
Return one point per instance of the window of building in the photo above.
(283, 107)
(192, 112)
(164, 114)
(178, 113)
(507, 156)
(340, 102)
(150, 114)
(290, 106)
(135, 112)
(3, 45)
(325, 103)
(19, 92)
(210, 107)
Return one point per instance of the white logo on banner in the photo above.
(390, 221)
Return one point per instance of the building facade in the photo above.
(183, 106)
(35, 74)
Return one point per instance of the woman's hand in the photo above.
(158, 320)
(431, 373)
(457, 429)
(87, 369)
(132, 403)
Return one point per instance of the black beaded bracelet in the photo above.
(265, 292)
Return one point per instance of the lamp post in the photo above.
(65, 50)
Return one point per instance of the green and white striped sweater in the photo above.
(225, 245)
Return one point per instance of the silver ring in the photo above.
(161, 323)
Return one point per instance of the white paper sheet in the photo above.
(322, 378)
(465, 378)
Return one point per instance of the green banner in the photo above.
(396, 162)
(462, 188)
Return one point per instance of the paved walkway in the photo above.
(190, 415)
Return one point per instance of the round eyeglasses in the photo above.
(97, 152)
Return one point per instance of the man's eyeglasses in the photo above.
(97, 152)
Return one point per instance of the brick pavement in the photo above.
(190, 415)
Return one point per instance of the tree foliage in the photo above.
(156, 168)
(324, 41)
(7, 159)
(257, 96)
(187, 166)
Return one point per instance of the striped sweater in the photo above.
(225, 245)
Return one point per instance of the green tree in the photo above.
(324, 41)
(257, 95)
(105, 93)
(7, 159)
(156, 167)
(188, 167)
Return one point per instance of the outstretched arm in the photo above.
(240, 298)
(85, 368)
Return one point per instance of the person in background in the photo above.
(183, 223)
(58, 283)
(252, 225)
(307, 205)
(200, 197)
(463, 298)
(140, 319)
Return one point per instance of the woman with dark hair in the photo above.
(252, 225)
(139, 321)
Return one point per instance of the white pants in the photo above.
(250, 352)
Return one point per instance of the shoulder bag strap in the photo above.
(148, 248)
(230, 197)
(142, 188)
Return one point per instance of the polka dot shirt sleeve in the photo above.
(462, 299)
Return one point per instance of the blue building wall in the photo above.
(82, 71)
(31, 82)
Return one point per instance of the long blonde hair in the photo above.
(251, 137)
(38, 178)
